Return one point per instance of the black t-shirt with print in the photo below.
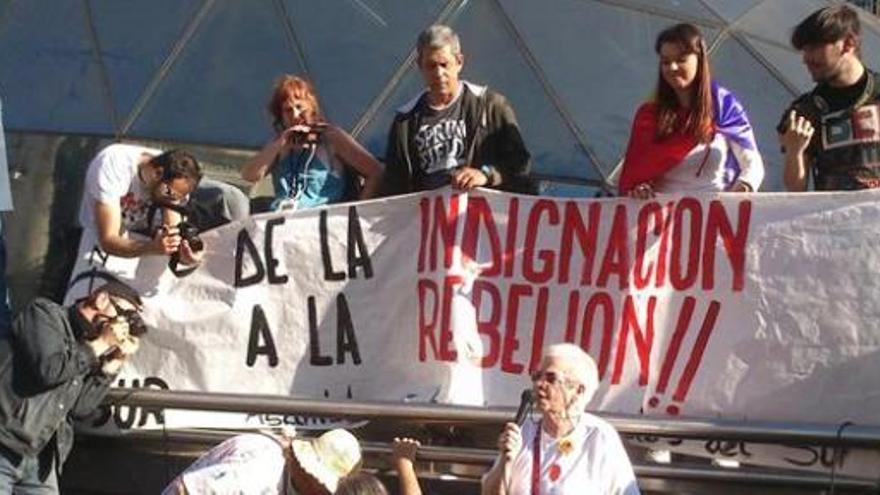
(845, 147)
(439, 141)
(839, 98)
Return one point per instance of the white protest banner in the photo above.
(844, 461)
(758, 306)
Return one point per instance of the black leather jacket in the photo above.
(48, 377)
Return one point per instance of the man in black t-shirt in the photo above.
(455, 132)
(834, 130)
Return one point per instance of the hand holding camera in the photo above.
(118, 340)
(303, 135)
(180, 241)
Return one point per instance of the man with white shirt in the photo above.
(123, 186)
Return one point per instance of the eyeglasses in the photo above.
(551, 377)
(170, 194)
(136, 325)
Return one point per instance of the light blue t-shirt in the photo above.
(309, 178)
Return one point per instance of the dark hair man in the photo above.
(455, 132)
(56, 365)
(122, 183)
(833, 131)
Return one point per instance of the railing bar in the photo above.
(485, 457)
(854, 435)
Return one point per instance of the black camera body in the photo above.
(310, 137)
(190, 233)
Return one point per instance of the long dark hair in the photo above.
(700, 117)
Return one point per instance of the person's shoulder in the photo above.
(603, 427)
(123, 153)
(244, 446)
(256, 441)
(407, 109)
(42, 310)
(44, 305)
(332, 132)
(492, 96)
(805, 101)
(646, 108)
(126, 149)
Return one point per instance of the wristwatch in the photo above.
(487, 171)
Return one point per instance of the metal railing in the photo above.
(765, 432)
(769, 432)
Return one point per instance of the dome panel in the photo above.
(135, 42)
(49, 77)
(351, 66)
(600, 79)
(764, 99)
(217, 90)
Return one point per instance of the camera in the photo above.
(190, 233)
(308, 137)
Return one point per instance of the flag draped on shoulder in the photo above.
(649, 157)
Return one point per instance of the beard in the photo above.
(828, 73)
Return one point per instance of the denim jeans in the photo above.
(21, 476)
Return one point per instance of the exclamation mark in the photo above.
(684, 321)
(684, 384)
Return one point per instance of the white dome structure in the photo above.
(200, 71)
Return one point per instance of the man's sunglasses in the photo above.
(170, 195)
(136, 325)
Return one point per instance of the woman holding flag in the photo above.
(695, 135)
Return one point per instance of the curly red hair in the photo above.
(289, 86)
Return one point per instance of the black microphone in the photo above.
(525, 403)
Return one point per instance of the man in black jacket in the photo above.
(455, 132)
(56, 365)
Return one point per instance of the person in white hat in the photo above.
(263, 464)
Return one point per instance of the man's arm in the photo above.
(510, 443)
(396, 179)
(95, 388)
(38, 337)
(795, 138)
(511, 160)
(404, 456)
(108, 220)
(354, 155)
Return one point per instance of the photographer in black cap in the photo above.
(56, 365)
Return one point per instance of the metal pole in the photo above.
(482, 457)
(771, 432)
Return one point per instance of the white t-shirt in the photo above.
(112, 178)
(250, 464)
(591, 462)
(701, 172)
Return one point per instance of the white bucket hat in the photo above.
(329, 457)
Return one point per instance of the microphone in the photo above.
(525, 404)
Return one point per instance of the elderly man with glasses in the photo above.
(56, 365)
(567, 450)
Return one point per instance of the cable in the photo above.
(834, 456)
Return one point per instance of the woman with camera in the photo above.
(310, 160)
